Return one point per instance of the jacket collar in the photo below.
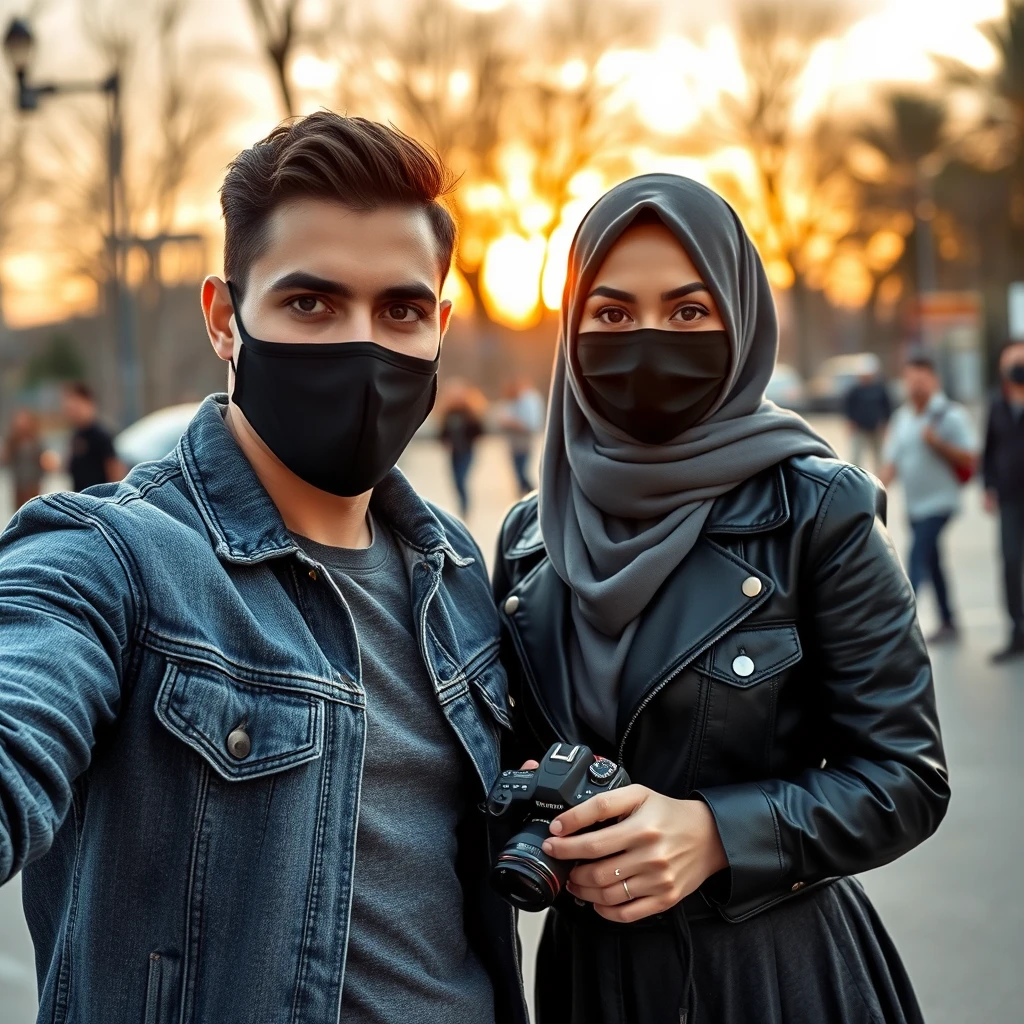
(243, 520)
(755, 506)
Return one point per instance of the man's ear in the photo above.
(445, 310)
(219, 311)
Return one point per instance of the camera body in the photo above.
(568, 775)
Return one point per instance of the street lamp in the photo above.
(19, 49)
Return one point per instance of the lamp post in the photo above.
(19, 49)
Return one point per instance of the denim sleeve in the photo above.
(66, 609)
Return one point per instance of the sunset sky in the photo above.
(693, 61)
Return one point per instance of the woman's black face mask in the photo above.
(338, 415)
(653, 384)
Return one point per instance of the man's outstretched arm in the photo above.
(66, 604)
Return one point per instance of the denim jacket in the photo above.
(172, 874)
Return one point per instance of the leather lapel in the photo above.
(699, 603)
(543, 616)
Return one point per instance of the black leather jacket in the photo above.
(779, 674)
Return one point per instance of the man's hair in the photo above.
(922, 359)
(80, 389)
(357, 163)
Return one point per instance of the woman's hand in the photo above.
(663, 849)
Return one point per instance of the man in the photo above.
(93, 459)
(868, 409)
(250, 697)
(523, 419)
(932, 448)
(1003, 464)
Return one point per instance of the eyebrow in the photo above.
(686, 289)
(613, 293)
(303, 279)
(675, 293)
(408, 292)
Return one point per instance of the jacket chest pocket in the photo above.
(243, 730)
(741, 674)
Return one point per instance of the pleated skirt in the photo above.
(820, 958)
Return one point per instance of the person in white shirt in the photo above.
(932, 447)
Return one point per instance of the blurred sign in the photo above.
(952, 324)
(1015, 302)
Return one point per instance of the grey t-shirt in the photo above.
(930, 485)
(408, 955)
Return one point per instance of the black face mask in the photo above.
(653, 384)
(1015, 373)
(338, 415)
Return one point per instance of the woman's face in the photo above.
(648, 280)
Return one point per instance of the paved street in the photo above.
(956, 905)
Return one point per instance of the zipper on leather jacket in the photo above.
(658, 687)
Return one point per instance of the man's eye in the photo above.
(690, 313)
(612, 315)
(404, 314)
(308, 304)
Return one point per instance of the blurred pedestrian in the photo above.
(23, 455)
(93, 459)
(462, 423)
(932, 447)
(868, 409)
(522, 419)
(1003, 465)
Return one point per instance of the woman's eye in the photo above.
(613, 316)
(308, 305)
(690, 313)
(404, 314)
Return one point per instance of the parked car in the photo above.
(787, 388)
(155, 435)
(828, 387)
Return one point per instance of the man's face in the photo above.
(330, 274)
(1012, 356)
(79, 411)
(920, 383)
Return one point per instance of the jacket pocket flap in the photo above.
(748, 656)
(243, 730)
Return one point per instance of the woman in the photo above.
(707, 596)
(23, 454)
(462, 412)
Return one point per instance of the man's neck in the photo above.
(1015, 394)
(921, 405)
(306, 510)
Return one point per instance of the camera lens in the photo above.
(524, 874)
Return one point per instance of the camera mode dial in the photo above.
(602, 771)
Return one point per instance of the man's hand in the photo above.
(663, 849)
(991, 502)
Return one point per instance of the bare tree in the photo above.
(277, 28)
(448, 83)
(799, 198)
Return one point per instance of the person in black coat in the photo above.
(1003, 467)
(704, 594)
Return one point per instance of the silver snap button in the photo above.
(752, 586)
(743, 666)
(239, 744)
(512, 605)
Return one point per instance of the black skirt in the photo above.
(820, 958)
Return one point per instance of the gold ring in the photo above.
(626, 888)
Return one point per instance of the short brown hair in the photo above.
(349, 160)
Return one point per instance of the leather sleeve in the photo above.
(884, 788)
(515, 743)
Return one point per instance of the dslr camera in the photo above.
(523, 873)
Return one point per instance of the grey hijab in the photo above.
(619, 516)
